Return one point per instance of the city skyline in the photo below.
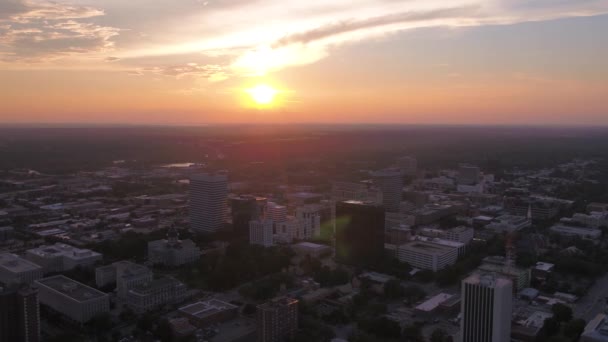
(202, 62)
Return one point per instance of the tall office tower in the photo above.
(359, 232)
(244, 209)
(408, 165)
(276, 212)
(277, 320)
(390, 182)
(261, 232)
(468, 174)
(208, 199)
(486, 308)
(19, 315)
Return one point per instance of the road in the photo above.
(594, 302)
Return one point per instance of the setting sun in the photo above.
(262, 94)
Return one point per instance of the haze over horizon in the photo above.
(267, 61)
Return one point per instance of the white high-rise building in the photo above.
(390, 182)
(486, 308)
(208, 202)
(261, 233)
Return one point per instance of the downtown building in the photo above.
(390, 183)
(208, 202)
(486, 308)
(172, 251)
(16, 270)
(433, 255)
(244, 209)
(19, 314)
(261, 232)
(359, 238)
(61, 257)
(277, 320)
(156, 293)
(74, 300)
(124, 274)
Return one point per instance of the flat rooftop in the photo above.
(433, 302)
(311, 245)
(544, 266)
(575, 229)
(71, 288)
(15, 264)
(427, 247)
(206, 308)
(61, 249)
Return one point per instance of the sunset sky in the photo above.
(343, 61)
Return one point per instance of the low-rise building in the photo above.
(596, 330)
(156, 293)
(173, 251)
(527, 324)
(431, 305)
(499, 265)
(575, 231)
(16, 270)
(206, 313)
(460, 234)
(508, 223)
(61, 257)
(124, 274)
(313, 249)
(427, 255)
(594, 219)
(76, 301)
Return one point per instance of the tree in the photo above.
(574, 328)
(382, 327)
(393, 289)
(163, 331)
(413, 333)
(550, 327)
(413, 293)
(100, 324)
(439, 335)
(558, 338)
(561, 312)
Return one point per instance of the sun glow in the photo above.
(262, 94)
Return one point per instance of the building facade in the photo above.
(359, 236)
(76, 301)
(261, 232)
(486, 309)
(277, 320)
(61, 257)
(427, 255)
(208, 201)
(390, 182)
(19, 314)
(16, 270)
(156, 293)
(173, 251)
